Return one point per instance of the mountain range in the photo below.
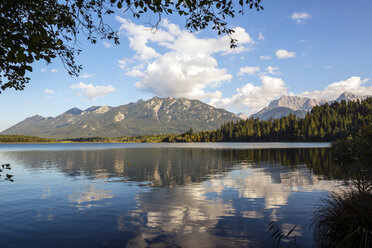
(298, 106)
(154, 116)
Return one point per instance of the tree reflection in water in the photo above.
(193, 197)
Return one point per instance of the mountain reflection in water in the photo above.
(163, 196)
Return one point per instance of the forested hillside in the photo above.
(323, 123)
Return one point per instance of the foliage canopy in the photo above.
(328, 122)
(32, 30)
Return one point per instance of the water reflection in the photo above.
(202, 212)
(89, 196)
(170, 167)
(166, 197)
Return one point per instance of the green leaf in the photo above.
(21, 57)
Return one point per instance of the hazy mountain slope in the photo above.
(277, 112)
(154, 116)
(348, 96)
(295, 102)
(285, 105)
(297, 105)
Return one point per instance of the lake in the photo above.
(161, 195)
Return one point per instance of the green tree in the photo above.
(324, 123)
(33, 30)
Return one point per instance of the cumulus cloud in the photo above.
(91, 91)
(355, 85)
(122, 63)
(252, 98)
(188, 43)
(265, 57)
(250, 70)
(43, 69)
(299, 17)
(284, 54)
(183, 75)
(272, 69)
(106, 44)
(187, 68)
(171, 36)
(139, 37)
(86, 75)
(134, 73)
(53, 70)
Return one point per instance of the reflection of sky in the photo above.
(196, 198)
(89, 196)
(194, 213)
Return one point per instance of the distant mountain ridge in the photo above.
(348, 96)
(295, 103)
(154, 116)
(298, 105)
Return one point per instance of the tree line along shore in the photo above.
(325, 123)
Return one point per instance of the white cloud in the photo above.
(50, 94)
(265, 57)
(299, 17)
(183, 75)
(187, 67)
(139, 37)
(272, 70)
(49, 91)
(301, 41)
(91, 91)
(122, 63)
(250, 70)
(328, 67)
(86, 75)
(252, 98)
(354, 85)
(284, 54)
(43, 69)
(260, 36)
(134, 73)
(53, 70)
(106, 44)
(172, 37)
(188, 43)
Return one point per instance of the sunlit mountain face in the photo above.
(153, 116)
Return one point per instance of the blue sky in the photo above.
(294, 47)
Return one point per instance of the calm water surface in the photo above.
(156, 195)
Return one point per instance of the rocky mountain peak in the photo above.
(153, 116)
(102, 109)
(74, 111)
(348, 96)
(242, 116)
(294, 102)
(299, 105)
(92, 108)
